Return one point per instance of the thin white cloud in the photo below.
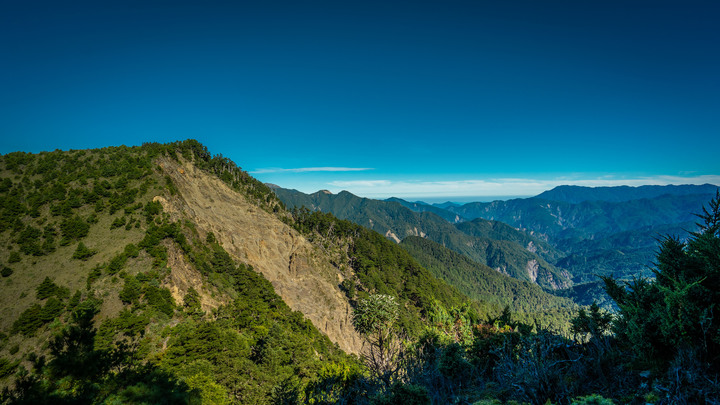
(499, 186)
(310, 169)
(361, 183)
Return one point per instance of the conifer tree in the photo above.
(679, 312)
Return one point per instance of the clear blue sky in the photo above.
(414, 99)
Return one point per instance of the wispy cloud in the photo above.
(310, 169)
(499, 186)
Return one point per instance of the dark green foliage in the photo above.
(6, 271)
(404, 394)
(170, 185)
(46, 289)
(131, 250)
(29, 233)
(128, 323)
(152, 208)
(5, 185)
(7, 367)
(160, 299)
(82, 252)
(132, 289)
(74, 228)
(29, 241)
(95, 273)
(191, 301)
(78, 373)
(659, 321)
(52, 308)
(383, 267)
(29, 321)
(75, 300)
(14, 257)
(593, 322)
(528, 301)
(116, 263)
(118, 222)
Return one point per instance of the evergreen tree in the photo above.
(674, 316)
(82, 252)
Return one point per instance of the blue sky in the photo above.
(424, 99)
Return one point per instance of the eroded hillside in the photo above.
(300, 273)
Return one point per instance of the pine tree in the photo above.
(675, 314)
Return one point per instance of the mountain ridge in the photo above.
(578, 194)
(395, 221)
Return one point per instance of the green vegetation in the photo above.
(527, 301)
(257, 342)
(382, 267)
(398, 222)
(661, 347)
(82, 252)
(112, 323)
(374, 317)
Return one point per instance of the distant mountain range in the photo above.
(564, 237)
(496, 245)
(614, 238)
(578, 194)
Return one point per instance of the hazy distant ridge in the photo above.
(578, 194)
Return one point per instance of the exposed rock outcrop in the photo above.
(300, 273)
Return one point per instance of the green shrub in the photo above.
(160, 299)
(14, 257)
(82, 252)
(29, 321)
(46, 289)
(132, 289)
(95, 274)
(404, 394)
(117, 263)
(74, 228)
(118, 222)
(131, 250)
(593, 399)
(6, 367)
(53, 308)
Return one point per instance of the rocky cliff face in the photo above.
(301, 273)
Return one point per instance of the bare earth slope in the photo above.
(300, 274)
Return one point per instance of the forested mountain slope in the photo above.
(422, 207)
(565, 223)
(592, 231)
(166, 271)
(102, 247)
(527, 300)
(396, 221)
